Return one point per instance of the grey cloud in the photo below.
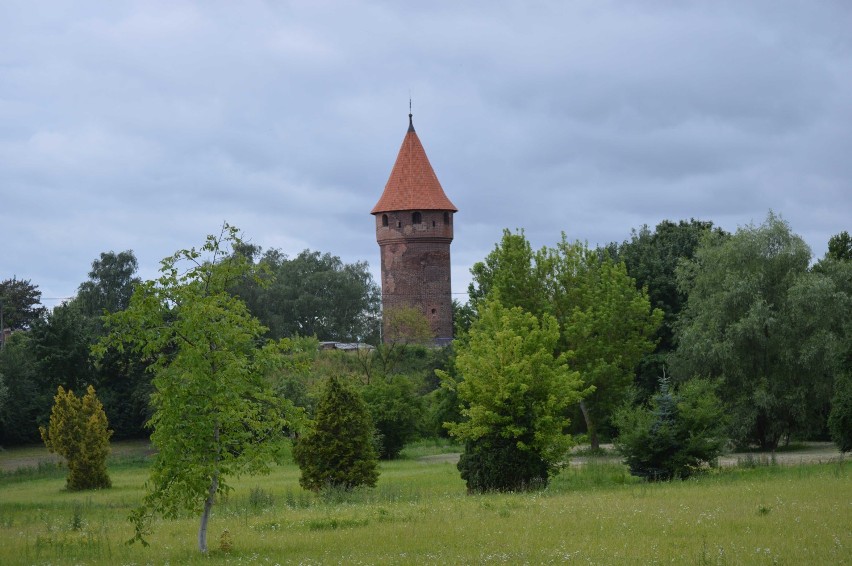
(145, 126)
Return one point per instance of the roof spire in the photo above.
(410, 116)
(413, 184)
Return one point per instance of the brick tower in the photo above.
(414, 228)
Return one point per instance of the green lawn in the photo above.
(419, 514)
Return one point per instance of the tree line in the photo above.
(748, 310)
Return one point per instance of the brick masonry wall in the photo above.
(415, 265)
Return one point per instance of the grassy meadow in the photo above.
(419, 514)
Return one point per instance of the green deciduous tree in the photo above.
(215, 414)
(514, 394)
(110, 284)
(512, 275)
(27, 400)
(840, 247)
(123, 383)
(4, 399)
(770, 329)
(61, 342)
(338, 452)
(20, 303)
(79, 433)
(678, 432)
(606, 324)
(651, 257)
(313, 294)
(396, 411)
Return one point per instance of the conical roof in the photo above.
(413, 184)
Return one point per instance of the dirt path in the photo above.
(809, 453)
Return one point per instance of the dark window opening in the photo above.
(433, 224)
(398, 224)
(416, 218)
(385, 220)
(434, 311)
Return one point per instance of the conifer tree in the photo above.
(339, 451)
(676, 434)
(79, 432)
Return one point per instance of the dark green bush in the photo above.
(338, 453)
(675, 434)
(493, 463)
(396, 411)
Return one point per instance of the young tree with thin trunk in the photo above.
(216, 415)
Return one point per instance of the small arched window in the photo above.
(446, 218)
(416, 218)
(385, 220)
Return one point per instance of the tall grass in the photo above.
(419, 514)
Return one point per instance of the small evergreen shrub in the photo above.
(79, 432)
(338, 453)
(673, 436)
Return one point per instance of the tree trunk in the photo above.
(590, 427)
(205, 515)
(211, 497)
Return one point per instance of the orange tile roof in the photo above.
(413, 184)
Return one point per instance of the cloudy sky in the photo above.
(145, 125)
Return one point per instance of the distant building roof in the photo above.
(413, 184)
(346, 346)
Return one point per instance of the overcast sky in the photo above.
(145, 125)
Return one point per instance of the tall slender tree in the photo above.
(215, 414)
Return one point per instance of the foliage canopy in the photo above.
(605, 324)
(770, 329)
